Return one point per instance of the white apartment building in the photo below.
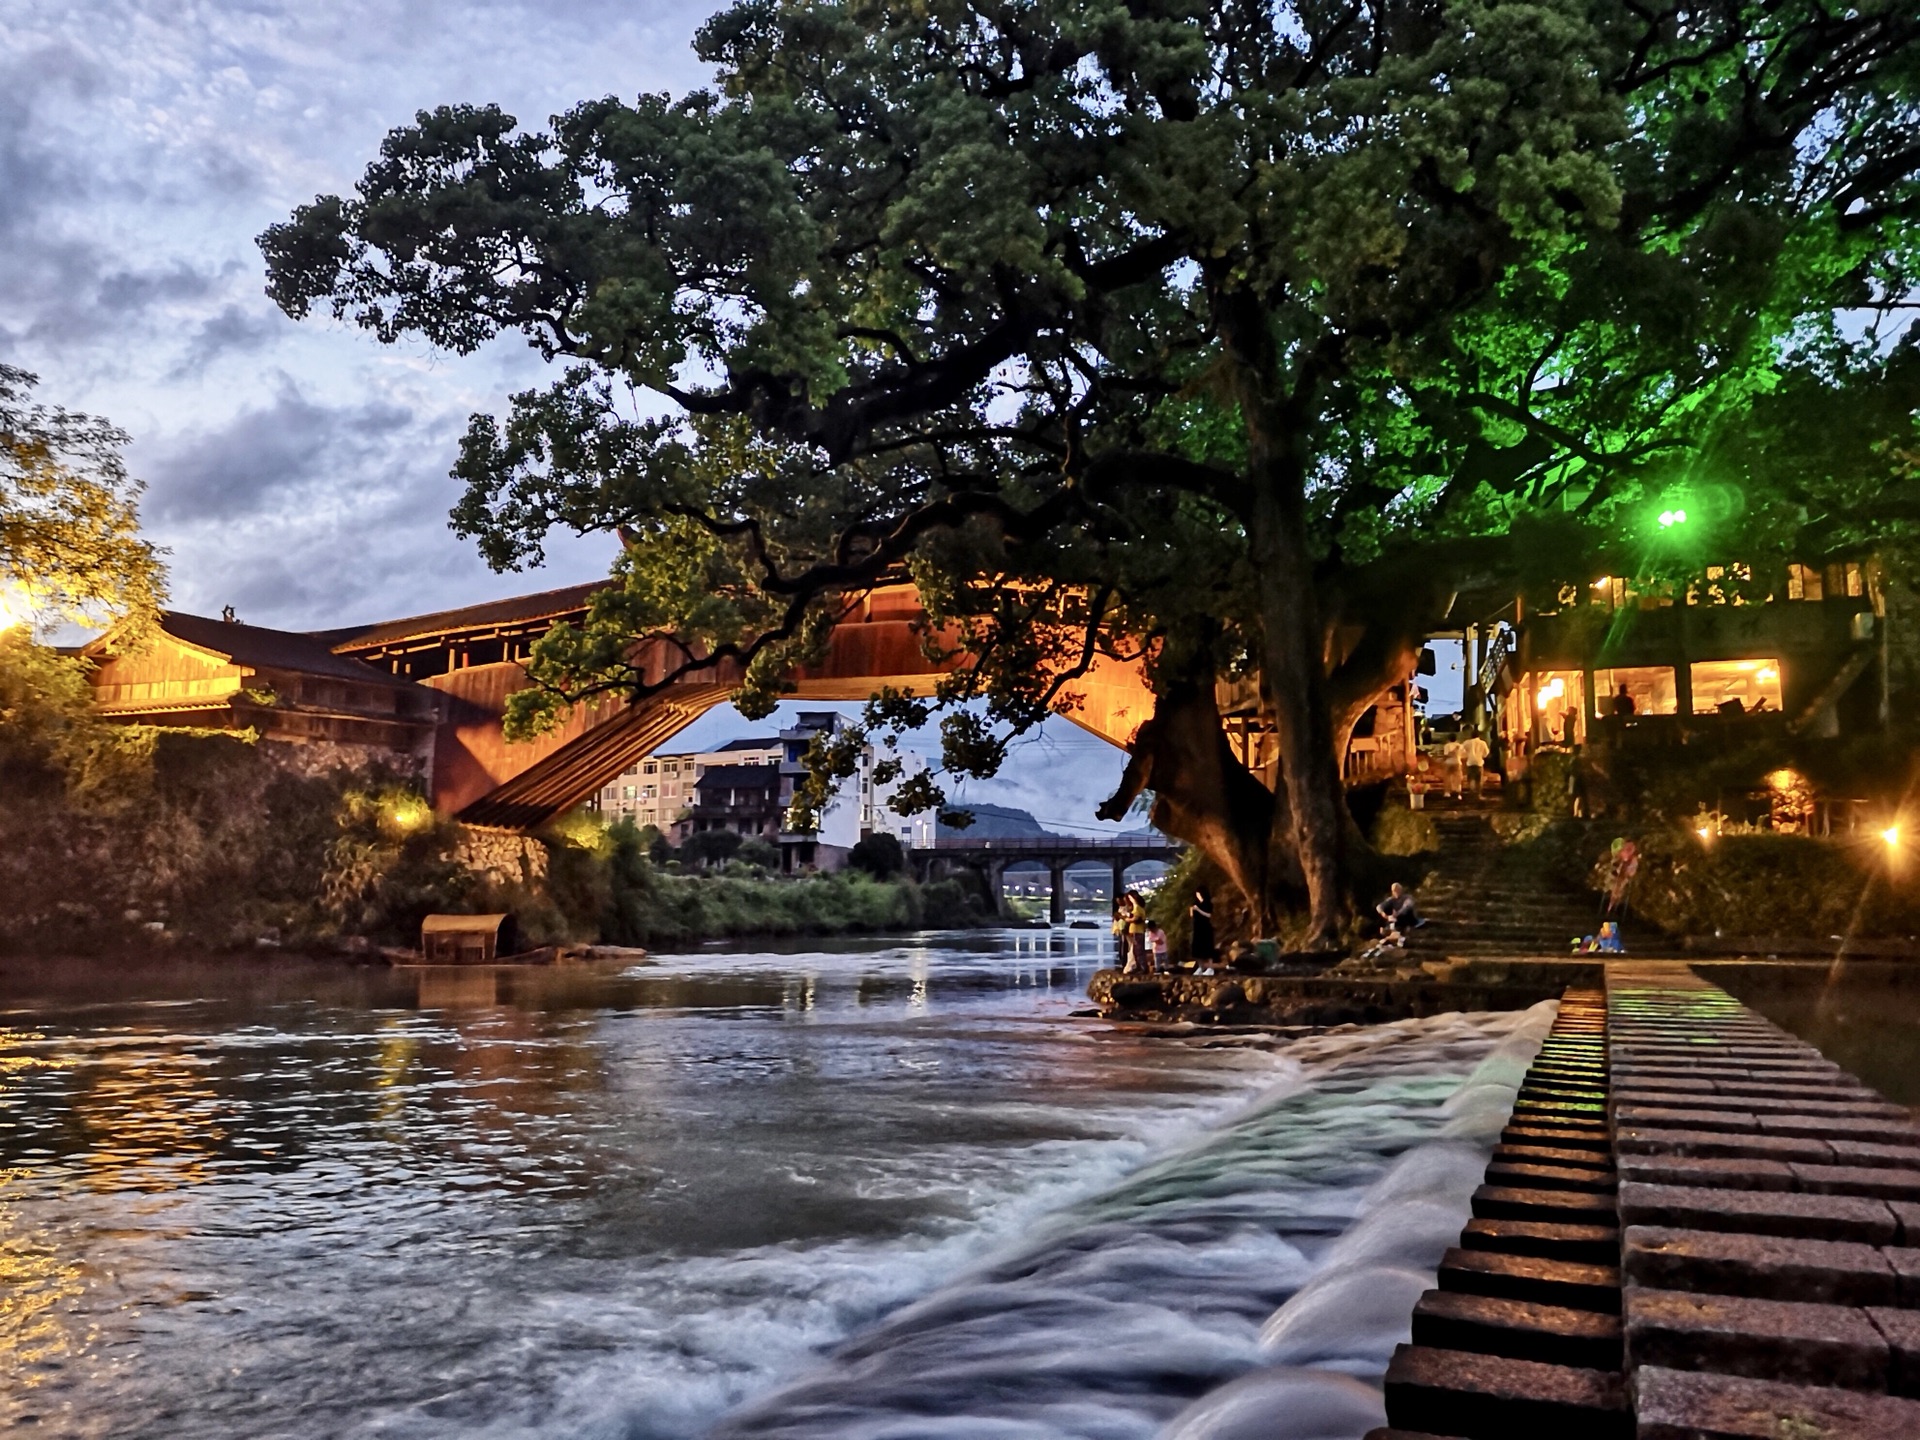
(659, 790)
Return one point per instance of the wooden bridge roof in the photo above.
(516, 610)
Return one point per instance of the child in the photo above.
(1156, 948)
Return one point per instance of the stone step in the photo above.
(1789, 1341)
(1553, 1155)
(1450, 1392)
(1567, 1207)
(1518, 1329)
(1769, 1267)
(1573, 1284)
(1681, 1405)
(1764, 1212)
(1533, 1175)
(1582, 1244)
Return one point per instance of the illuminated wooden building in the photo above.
(290, 688)
(1805, 652)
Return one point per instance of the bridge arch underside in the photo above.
(1111, 701)
(1098, 881)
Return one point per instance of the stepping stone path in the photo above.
(1695, 1227)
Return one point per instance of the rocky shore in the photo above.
(1336, 995)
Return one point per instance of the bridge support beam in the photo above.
(996, 872)
(1057, 892)
(1119, 879)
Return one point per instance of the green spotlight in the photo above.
(1670, 518)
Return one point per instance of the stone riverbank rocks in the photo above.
(1331, 998)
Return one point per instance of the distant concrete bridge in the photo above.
(991, 857)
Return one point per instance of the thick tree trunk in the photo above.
(1294, 687)
(1205, 796)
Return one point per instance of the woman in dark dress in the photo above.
(1200, 945)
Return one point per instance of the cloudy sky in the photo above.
(298, 472)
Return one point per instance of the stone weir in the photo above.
(1696, 1227)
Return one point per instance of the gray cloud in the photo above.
(266, 456)
(235, 330)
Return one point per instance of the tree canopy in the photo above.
(70, 546)
(1231, 336)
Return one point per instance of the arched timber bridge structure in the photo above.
(473, 657)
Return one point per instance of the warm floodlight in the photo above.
(1891, 835)
(1705, 832)
(1767, 672)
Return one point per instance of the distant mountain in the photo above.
(1003, 822)
(992, 822)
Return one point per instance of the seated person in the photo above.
(1398, 914)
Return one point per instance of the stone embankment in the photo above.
(1696, 1228)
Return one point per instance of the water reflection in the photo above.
(1864, 1015)
(276, 1198)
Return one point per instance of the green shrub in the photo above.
(1764, 884)
(879, 855)
(1400, 831)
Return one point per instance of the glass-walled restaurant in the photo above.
(1615, 665)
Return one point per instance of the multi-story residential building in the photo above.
(747, 785)
(660, 790)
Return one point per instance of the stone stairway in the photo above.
(1482, 897)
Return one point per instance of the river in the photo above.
(871, 1189)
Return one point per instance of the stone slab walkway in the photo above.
(1697, 1228)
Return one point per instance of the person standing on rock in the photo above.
(1156, 948)
(1134, 911)
(1200, 933)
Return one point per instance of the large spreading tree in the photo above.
(1231, 336)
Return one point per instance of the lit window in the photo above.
(1805, 583)
(1721, 685)
(1557, 696)
(1651, 688)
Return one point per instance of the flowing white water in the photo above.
(1282, 1253)
(884, 1190)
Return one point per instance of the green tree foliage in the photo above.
(879, 854)
(710, 848)
(1229, 336)
(70, 547)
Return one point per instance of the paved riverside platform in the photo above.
(1696, 1227)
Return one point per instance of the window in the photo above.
(1805, 583)
(626, 792)
(650, 768)
(1720, 685)
(1651, 687)
(1557, 706)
